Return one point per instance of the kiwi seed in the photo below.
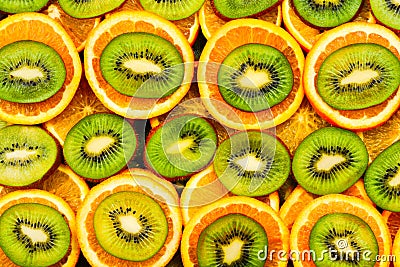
(387, 12)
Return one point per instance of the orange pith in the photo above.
(19, 27)
(136, 180)
(134, 21)
(45, 198)
(277, 232)
(335, 203)
(232, 35)
(346, 34)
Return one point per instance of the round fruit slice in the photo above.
(229, 244)
(47, 225)
(341, 37)
(19, 6)
(387, 13)
(114, 218)
(392, 220)
(19, 27)
(240, 9)
(173, 10)
(131, 22)
(223, 42)
(396, 249)
(334, 204)
(88, 9)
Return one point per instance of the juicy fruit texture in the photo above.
(88, 8)
(142, 65)
(31, 72)
(99, 145)
(252, 163)
(255, 77)
(218, 242)
(358, 76)
(172, 9)
(130, 225)
(34, 234)
(239, 9)
(387, 12)
(27, 154)
(382, 179)
(329, 160)
(181, 146)
(346, 237)
(18, 6)
(326, 14)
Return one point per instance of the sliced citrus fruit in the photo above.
(246, 208)
(115, 199)
(392, 219)
(19, 27)
(83, 103)
(235, 34)
(331, 41)
(210, 22)
(307, 35)
(358, 190)
(336, 203)
(396, 250)
(35, 196)
(189, 26)
(129, 22)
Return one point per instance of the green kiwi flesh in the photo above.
(252, 163)
(27, 154)
(358, 76)
(181, 146)
(142, 65)
(382, 179)
(255, 77)
(172, 9)
(99, 145)
(88, 8)
(234, 9)
(19, 6)
(387, 12)
(30, 72)
(34, 235)
(326, 13)
(329, 160)
(130, 225)
(232, 240)
(343, 239)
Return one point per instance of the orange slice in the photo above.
(396, 250)
(20, 27)
(277, 232)
(53, 201)
(230, 36)
(392, 219)
(332, 40)
(336, 203)
(83, 103)
(134, 21)
(134, 180)
(210, 22)
(189, 26)
(77, 29)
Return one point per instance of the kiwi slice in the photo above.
(387, 12)
(34, 235)
(88, 8)
(181, 146)
(27, 154)
(252, 163)
(99, 145)
(358, 76)
(343, 239)
(30, 72)
(142, 65)
(326, 13)
(172, 9)
(232, 240)
(382, 179)
(19, 6)
(255, 77)
(130, 225)
(329, 160)
(234, 9)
